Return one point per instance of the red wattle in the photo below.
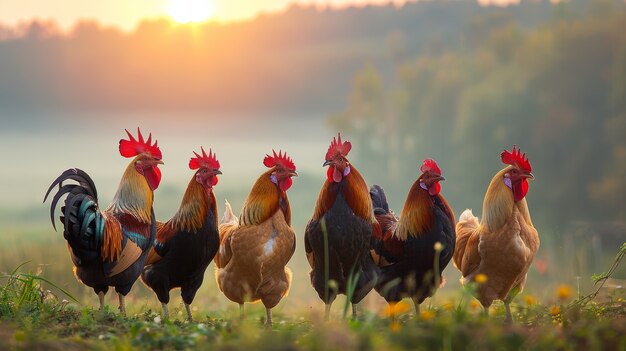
(520, 189)
(211, 181)
(285, 183)
(434, 189)
(153, 177)
(329, 173)
(337, 176)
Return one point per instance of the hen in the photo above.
(500, 248)
(254, 249)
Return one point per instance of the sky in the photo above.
(126, 14)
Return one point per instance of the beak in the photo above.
(441, 178)
(217, 171)
(327, 163)
(529, 176)
(293, 174)
(159, 162)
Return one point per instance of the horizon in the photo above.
(67, 17)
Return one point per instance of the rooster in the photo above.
(414, 250)
(109, 248)
(500, 248)
(186, 244)
(337, 239)
(254, 249)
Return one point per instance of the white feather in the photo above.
(229, 217)
(269, 247)
(467, 215)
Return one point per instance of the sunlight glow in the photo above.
(186, 11)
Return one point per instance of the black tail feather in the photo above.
(85, 186)
(82, 220)
(379, 200)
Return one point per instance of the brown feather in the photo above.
(263, 201)
(417, 214)
(129, 255)
(246, 270)
(356, 194)
(153, 257)
(225, 253)
(501, 247)
(112, 246)
(191, 213)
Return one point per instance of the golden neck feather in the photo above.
(133, 195)
(417, 213)
(354, 191)
(499, 203)
(194, 208)
(262, 202)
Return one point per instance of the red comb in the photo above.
(134, 147)
(337, 147)
(516, 158)
(279, 160)
(205, 161)
(430, 165)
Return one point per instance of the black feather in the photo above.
(62, 191)
(379, 199)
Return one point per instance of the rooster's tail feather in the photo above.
(83, 222)
(464, 228)
(229, 217)
(379, 200)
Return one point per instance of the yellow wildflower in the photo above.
(563, 292)
(481, 278)
(474, 304)
(530, 300)
(395, 326)
(427, 315)
(438, 246)
(448, 306)
(555, 310)
(394, 309)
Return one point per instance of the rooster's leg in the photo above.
(353, 311)
(509, 317)
(166, 312)
(327, 312)
(241, 310)
(268, 322)
(188, 309)
(101, 299)
(122, 304)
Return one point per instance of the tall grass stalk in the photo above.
(350, 288)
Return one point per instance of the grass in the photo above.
(32, 317)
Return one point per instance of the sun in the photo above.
(186, 11)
